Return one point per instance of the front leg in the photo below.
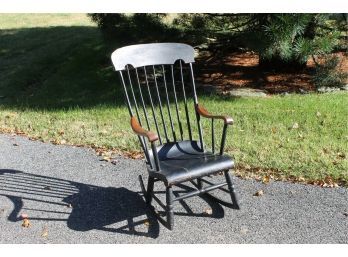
(169, 209)
(150, 185)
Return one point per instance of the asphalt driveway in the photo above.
(71, 196)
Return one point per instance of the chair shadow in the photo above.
(88, 207)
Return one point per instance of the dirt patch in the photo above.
(239, 69)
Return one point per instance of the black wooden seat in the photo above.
(185, 160)
(160, 90)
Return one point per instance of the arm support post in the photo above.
(151, 136)
(227, 121)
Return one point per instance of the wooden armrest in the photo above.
(142, 132)
(203, 112)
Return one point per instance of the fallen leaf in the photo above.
(259, 193)
(44, 232)
(134, 155)
(11, 115)
(301, 179)
(295, 126)
(328, 180)
(63, 141)
(55, 141)
(325, 150)
(114, 162)
(147, 223)
(247, 167)
(26, 223)
(106, 158)
(341, 155)
(274, 130)
(103, 132)
(244, 230)
(208, 211)
(266, 179)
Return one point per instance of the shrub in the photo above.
(138, 27)
(328, 73)
(288, 40)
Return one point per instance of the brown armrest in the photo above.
(203, 112)
(142, 132)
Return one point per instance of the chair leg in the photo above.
(149, 191)
(231, 189)
(170, 212)
(148, 194)
(199, 183)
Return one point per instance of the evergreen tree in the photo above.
(288, 40)
(281, 40)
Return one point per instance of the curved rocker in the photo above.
(169, 222)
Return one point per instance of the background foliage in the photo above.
(282, 41)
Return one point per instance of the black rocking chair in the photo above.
(154, 78)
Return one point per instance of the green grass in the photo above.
(57, 83)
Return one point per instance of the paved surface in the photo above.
(42, 180)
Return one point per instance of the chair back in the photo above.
(159, 86)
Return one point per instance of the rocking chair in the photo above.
(153, 102)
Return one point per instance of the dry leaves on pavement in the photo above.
(266, 179)
(147, 223)
(44, 232)
(26, 222)
(259, 193)
(208, 211)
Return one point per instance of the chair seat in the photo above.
(183, 161)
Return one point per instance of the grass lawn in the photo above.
(57, 84)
